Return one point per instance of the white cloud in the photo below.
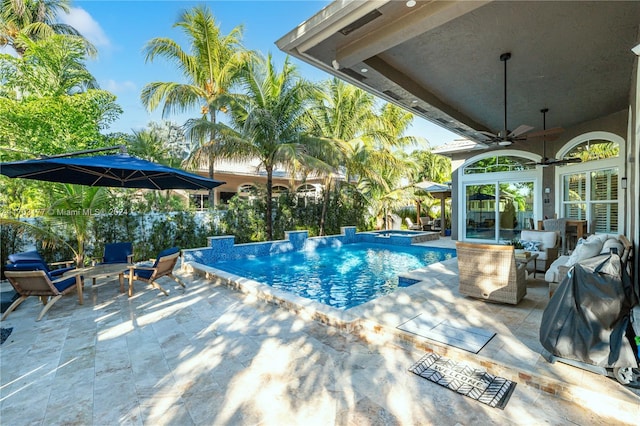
(82, 21)
(118, 87)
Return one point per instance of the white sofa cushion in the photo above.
(585, 249)
(546, 240)
(551, 276)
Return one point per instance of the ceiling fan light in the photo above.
(504, 142)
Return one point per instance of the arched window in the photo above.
(276, 190)
(593, 150)
(247, 189)
(499, 163)
(589, 189)
(307, 190)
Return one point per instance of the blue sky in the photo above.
(120, 30)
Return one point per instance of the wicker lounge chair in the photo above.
(162, 267)
(490, 272)
(38, 282)
(560, 226)
(412, 226)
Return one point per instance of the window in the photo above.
(593, 196)
(499, 163)
(276, 190)
(247, 189)
(590, 188)
(592, 150)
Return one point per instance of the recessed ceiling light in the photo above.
(364, 70)
(411, 3)
(415, 101)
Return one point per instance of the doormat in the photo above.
(476, 384)
(5, 333)
(446, 331)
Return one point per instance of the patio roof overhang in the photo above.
(441, 60)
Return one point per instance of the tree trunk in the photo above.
(268, 217)
(212, 159)
(80, 254)
(325, 206)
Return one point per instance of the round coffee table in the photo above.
(100, 270)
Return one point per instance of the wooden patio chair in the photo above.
(490, 272)
(115, 253)
(55, 269)
(38, 283)
(162, 267)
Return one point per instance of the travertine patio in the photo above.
(214, 355)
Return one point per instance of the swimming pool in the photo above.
(341, 276)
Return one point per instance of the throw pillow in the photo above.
(585, 249)
(531, 245)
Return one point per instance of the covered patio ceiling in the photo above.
(441, 60)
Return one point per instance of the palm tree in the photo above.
(340, 114)
(269, 122)
(49, 67)
(363, 144)
(210, 65)
(74, 208)
(433, 167)
(35, 20)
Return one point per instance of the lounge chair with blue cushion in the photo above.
(116, 253)
(30, 279)
(162, 267)
(34, 257)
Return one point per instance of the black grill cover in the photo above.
(587, 317)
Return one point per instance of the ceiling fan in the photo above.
(545, 160)
(506, 137)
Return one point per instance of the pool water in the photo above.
(343, 276)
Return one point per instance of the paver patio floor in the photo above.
(210, 355)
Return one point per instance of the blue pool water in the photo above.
(343, 276)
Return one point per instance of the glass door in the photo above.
(481, 212)
(498, 212)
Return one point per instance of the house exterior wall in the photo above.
(633, 168)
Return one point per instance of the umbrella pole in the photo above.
(122, 148)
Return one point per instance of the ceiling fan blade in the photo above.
(570, 161)
(548, 132)
(488, 134)
(557, 162)
(523, 128)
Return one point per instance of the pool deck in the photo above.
(210, 354)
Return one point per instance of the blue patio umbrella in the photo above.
(115, 170)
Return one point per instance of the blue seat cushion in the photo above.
(143, 273)
(27, 256)
(29, 266)
(60, 271)
(35, 257)
(65, 284)
(117, 252)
